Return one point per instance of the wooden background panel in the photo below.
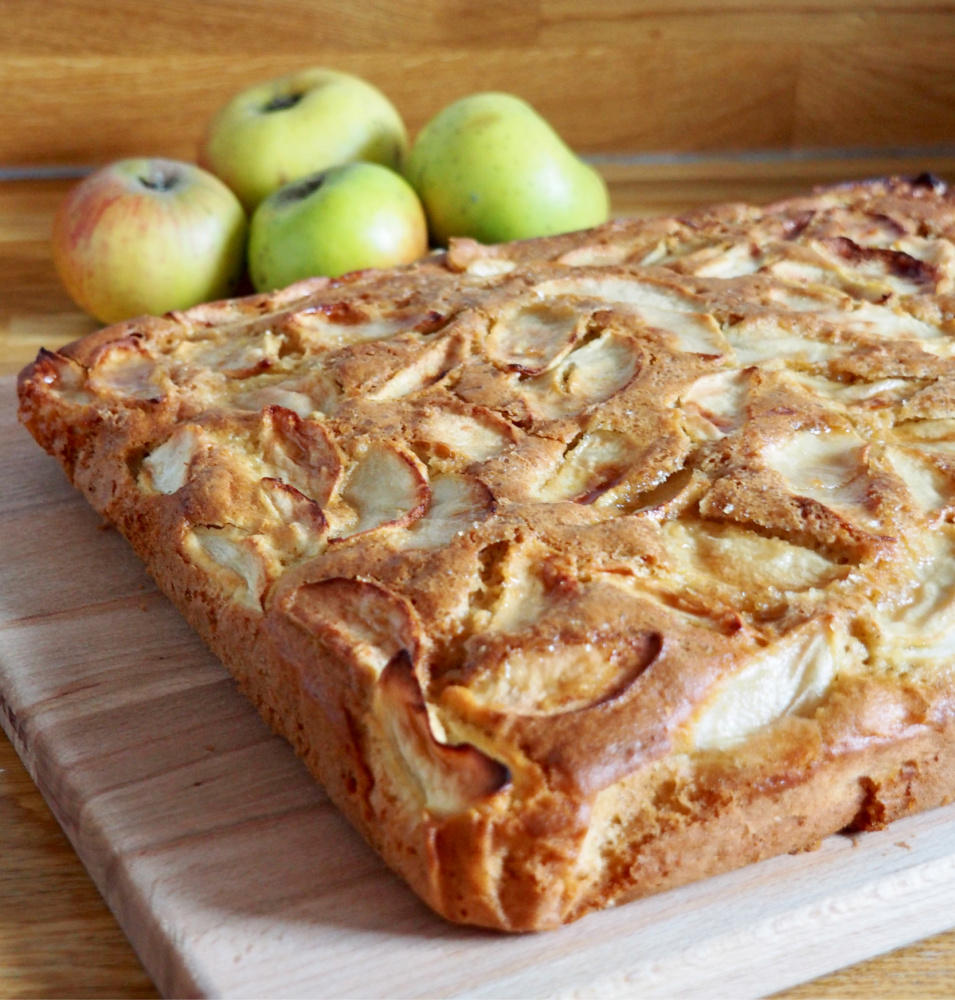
(873, 96)
(64, 27)
(91, 109)
(836, 22)
(87, 82)
(242, 27)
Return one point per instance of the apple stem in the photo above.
(283, 102)
(159, 178)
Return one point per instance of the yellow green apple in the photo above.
(490, 167)
(284, 129)
(354, 216)
(146, 236)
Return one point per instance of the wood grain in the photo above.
(73, 947)
(75, 115)
(57, 936)
(88, 82)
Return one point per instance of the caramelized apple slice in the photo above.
(789, 677)
(723, 262)
(877, 269)
(478, 259)
(695, 333)
(623, 290)
(360, 622)
(429, 364)
(714, 405)
(386, 486)
(588, 375)
(918, 625)
(931, 492)
(166, 468)
(331, 326)
(596, 462)
(657, 304)
(457, 504)
(475, 436)
(448, 778)
(67, 376)
(124, 367)
(276, 395)
(295, 525)
(234, 560)
(301, 452)
(532, 338)
(238, 356)
(830, 468)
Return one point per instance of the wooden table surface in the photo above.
(57, 938)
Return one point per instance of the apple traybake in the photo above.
(574, 569)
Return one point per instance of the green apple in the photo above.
(146, 236)
(488, 166)
(344, 219)
(279, 131)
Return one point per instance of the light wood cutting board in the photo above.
(233, 875)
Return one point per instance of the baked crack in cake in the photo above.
(574, 569)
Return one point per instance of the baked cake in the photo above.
(574, 569)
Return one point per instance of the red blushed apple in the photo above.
(147, 236)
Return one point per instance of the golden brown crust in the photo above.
(578, 568)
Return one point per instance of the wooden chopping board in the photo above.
(233, 875)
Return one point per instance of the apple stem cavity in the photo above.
(160, 177)
(300, 190)
(283, 102)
